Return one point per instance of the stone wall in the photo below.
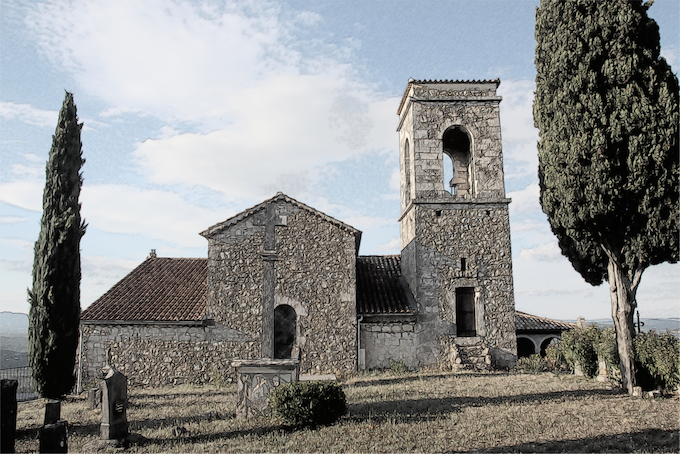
(157, 354)
(383, 342)
(315, 274)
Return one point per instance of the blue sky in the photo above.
(194, 111)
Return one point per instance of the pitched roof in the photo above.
(159, 289)
(379, 290)
(280, 197)
(526, 322)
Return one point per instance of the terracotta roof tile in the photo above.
(159, 289)
(378, 288)
(526, 322)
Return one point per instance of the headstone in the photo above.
(54, 437)
(94, 398)
(52, 412)
(113, 387)
(256, 378)
(8, 414)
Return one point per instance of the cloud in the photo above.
(155, 213)
(28, 114)
(525, 201)
(547, 252)
(517, 128)
(26, 194)
(267, 111)
(393, 246)
(12, 219)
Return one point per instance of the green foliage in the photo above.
(398, 367)
(555, 358)
(55, 297)
(578, 346)
(606, 349)
(606, 107)
(660, 355)
(532, 364)
(308, 403)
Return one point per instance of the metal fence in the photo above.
(25, 389)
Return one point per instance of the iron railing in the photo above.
(25, 389)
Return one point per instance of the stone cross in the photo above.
(114, 405)
(269, 283)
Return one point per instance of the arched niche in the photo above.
(285, 320)
(457, 146)
(525, 347)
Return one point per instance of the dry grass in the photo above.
(426, 412)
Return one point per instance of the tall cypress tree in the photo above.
(606, 107)
(55, 298)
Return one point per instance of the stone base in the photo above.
(256, 378)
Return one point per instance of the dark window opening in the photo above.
(465, 312)
(525, 347)
(463, 264)
(284, 331)
(438, 213)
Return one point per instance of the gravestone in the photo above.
(8, 415)
(54, 437)
(52, 412)
(256, 378)
(113, 386)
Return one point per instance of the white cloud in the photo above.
(525, 201)
(393, 246)
(517, 128)
(12, 219)
(156, 213)
(26, 194)
(28, 114)
(547, 252)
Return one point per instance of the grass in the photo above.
(413, 412)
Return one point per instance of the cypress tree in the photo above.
(606, 107)
(55, 297)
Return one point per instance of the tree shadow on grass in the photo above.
(418, 378)
(417, 409)
(649, 440)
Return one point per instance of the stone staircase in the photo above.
(469, 354)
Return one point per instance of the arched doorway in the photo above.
(546, 343)
(525, 347)
(284, 331)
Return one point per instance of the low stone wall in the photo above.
(383, 342)
(156, 355)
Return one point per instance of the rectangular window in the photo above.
(465, 312)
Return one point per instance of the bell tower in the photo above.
(455, 229)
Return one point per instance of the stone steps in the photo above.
(470, 357)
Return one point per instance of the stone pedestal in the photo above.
(114, 424)
(256, 378)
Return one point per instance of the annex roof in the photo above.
(532, 323)
(158, 290)
(379, 290)
(209, 232)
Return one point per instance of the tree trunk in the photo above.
(623, 290)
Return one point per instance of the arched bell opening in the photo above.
(457, 148)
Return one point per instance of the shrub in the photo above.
(533, 364)
(577, 345)
(554, 357)
(606, 349)
(660, 356)
(308, 403)
(398, 367)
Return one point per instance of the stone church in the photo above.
(446, 301)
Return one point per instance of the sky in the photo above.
(196, 110)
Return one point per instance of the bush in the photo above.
(577, 345)
(606, 349)
(660, 356)
(533, 364)
(555, 359)
(308, 403)
(398, 367)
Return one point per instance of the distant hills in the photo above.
(13, 323)
(648, 324)
(13, 340)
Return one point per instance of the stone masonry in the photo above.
(453, 240)
(315, 275)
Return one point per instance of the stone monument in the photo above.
(113, 386)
